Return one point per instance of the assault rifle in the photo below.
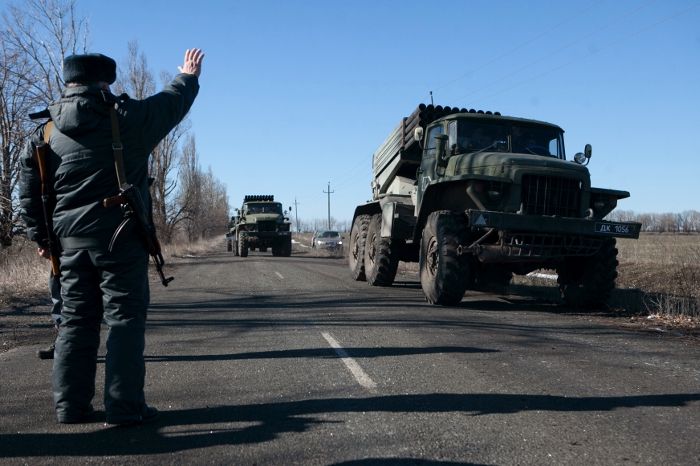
(130, 199)
(47, 203)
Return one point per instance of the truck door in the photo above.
(426, 172)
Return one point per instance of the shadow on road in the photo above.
(324, 353)
(188, 429)
(401, 462)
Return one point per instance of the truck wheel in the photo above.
(358, 235)
(444, 275)
(243, 247)
(234, 246)
(381, 255)
(287, 247)
(229, 246)
(276, 250)
(587, 282)
(263, 249)
(251, 248)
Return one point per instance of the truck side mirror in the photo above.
(587, 151)
(440, 147)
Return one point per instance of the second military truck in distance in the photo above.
(476, 197)
(260, 224)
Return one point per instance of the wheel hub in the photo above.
(432, 256)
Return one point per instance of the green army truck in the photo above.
(260, 224)
(476, 197)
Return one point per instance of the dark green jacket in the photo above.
(82, 161)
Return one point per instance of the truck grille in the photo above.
(549, 195)
(267, 225)
(540, 245)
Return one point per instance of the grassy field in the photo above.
(658, 274)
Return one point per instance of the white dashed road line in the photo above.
(279, 275)
(354, 367)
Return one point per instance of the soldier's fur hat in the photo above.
(89, 68)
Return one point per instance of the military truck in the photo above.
(260, 224)
(475, 197)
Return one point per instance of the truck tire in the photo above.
(229, 246)
(286, 248)
(587, 282)
(356, 258)
(444, 274)
(263, 249)
(242, 246)
(381, 255)
(234, 246)
(251, 248)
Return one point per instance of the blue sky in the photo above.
(298, 94)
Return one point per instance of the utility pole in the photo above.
(329, 192)
(296, 213)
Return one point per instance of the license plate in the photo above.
(614, 228)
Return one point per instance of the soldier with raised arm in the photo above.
(102, 274)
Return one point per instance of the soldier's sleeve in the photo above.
(164, 110)
(31, 209)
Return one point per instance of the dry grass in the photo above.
(658, 275)
(666, 269)
(23, 274)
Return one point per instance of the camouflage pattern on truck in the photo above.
(260, 224)
(476, 197)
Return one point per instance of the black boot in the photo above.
(46, 353)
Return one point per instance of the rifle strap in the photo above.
(117, 148)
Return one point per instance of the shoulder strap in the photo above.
(117, 148)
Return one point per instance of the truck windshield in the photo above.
(478, 136)
(538, 141)
(264, 208)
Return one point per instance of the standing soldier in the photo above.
(104, 261)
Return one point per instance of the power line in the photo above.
(556, 51)
(515, 49)
(589, 54)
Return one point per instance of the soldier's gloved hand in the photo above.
(193, 62)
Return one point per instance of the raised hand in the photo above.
(193, 62)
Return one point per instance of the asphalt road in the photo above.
(269, 360)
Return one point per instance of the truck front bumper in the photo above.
(524, 238)
(554, 225)
(255, 235)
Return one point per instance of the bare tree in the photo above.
(134, 77)
(202, 197)
(16, 100)
(190, 194)
(46, 31)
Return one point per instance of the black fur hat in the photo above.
(89, 68)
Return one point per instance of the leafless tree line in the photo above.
(35, 37)
(687, 221)
(316, 224)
